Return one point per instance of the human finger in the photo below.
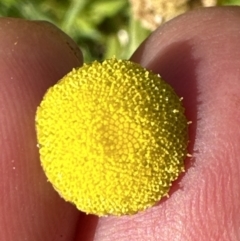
(198, 54)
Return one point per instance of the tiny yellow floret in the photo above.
(112, 137)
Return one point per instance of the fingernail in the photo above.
(57, 32)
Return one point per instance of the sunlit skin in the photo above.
(198, 55)
(112, 137)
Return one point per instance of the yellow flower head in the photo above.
(112, 137)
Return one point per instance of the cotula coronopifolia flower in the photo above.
(112, 137)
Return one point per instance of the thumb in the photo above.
(198, 54)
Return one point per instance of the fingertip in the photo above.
(197, 53)
(34, 56)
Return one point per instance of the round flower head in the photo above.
(112, 137)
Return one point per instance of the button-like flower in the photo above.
(112, 137)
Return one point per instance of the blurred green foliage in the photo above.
(102, 28)
(228, 2)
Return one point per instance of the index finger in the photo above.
(33, 57)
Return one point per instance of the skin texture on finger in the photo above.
(198, 53)
(33, 57)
